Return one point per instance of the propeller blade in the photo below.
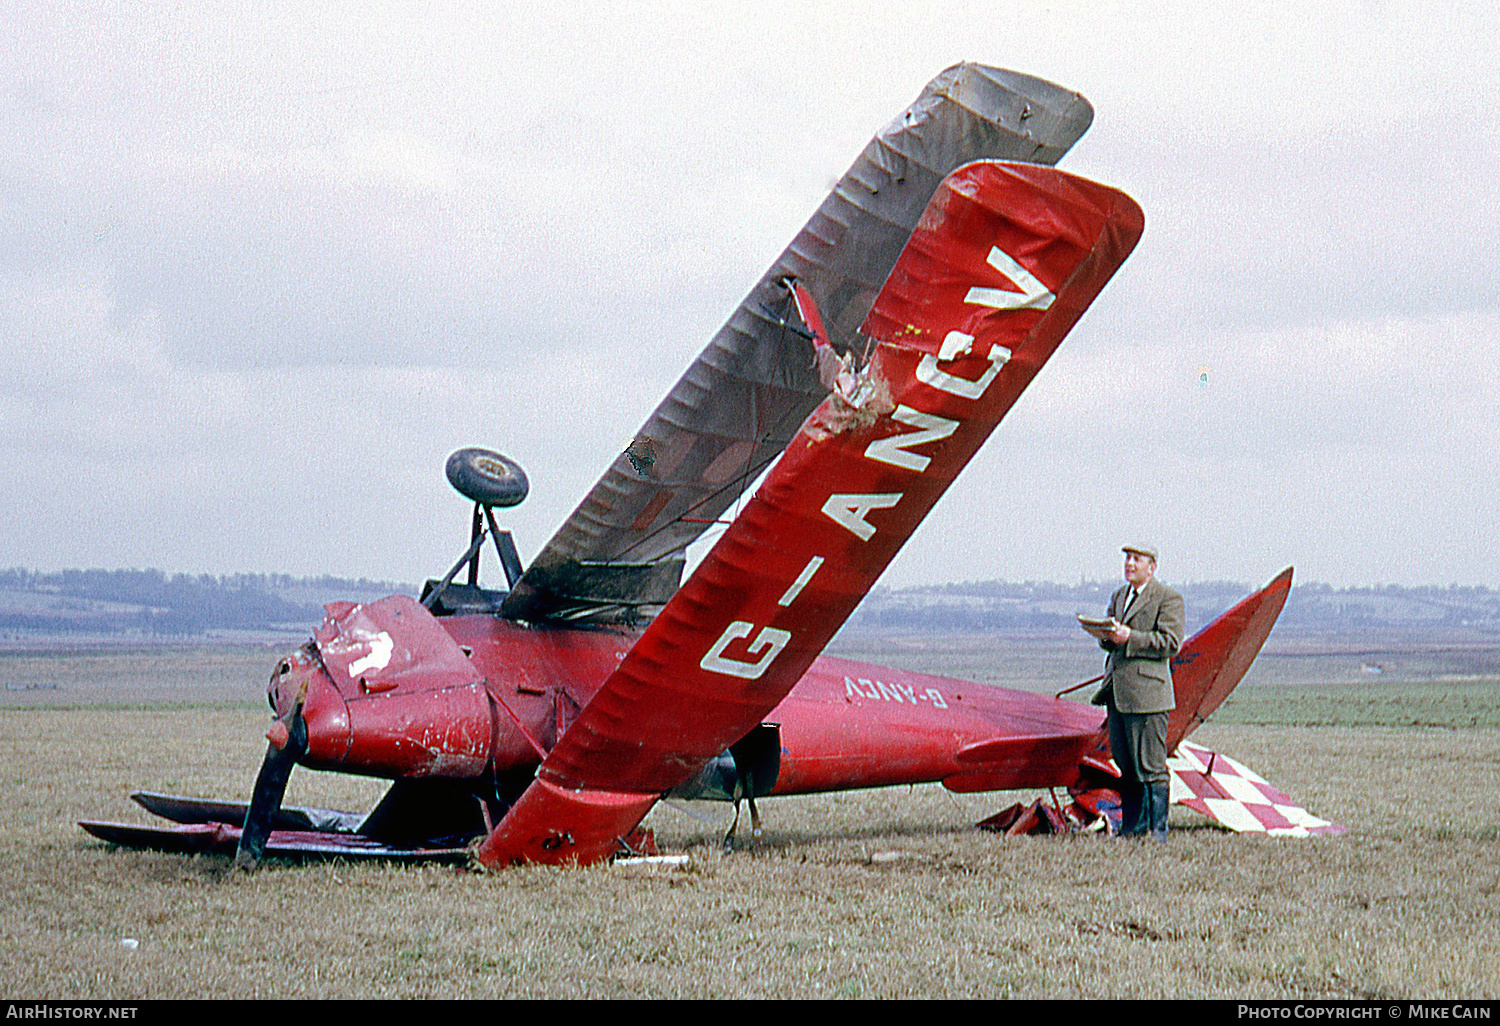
(288, 743)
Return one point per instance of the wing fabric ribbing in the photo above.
(745, 396)
(1005, 259)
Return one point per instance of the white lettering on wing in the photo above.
(849, 511)
(801, 581)
(1033, 295)
(955, 344)
(768, 643)
(929, 374)
(892, 449)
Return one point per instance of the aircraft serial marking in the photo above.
(929, 374)
(898, 692)
(1034, 295)
(849, 511)
(801, 581)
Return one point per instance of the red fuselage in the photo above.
(844, 725)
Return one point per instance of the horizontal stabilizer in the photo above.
(1235, 796)
(1020, 761)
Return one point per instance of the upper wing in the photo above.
(1005, 259)
(746, 395)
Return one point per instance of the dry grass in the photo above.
(133, 674)
(869, 894)
(1405, 906)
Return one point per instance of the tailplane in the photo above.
(1235, 796)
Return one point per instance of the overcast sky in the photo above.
(263, 266)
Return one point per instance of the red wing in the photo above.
(746, 395)
(1004, 260)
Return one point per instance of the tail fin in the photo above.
(1215, 659)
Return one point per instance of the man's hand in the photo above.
(1120, 635)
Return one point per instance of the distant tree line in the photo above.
(150, 602)
(1046, 606)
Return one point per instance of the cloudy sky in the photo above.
(263, 266)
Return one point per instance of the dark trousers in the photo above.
(1138, 744)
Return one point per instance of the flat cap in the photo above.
(1145, 550)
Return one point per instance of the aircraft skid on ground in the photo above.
(541, 723)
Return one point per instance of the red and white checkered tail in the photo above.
(1235, 796)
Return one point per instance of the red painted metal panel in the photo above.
(393, 643)
(849, 724)
(395, 695)
(442, 733)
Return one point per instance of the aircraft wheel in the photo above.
(487, 477)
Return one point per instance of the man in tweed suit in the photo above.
(1149, 619)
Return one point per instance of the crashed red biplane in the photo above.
(541, 722)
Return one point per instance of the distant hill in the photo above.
(149, 603)
(153, 604)
(998, 605)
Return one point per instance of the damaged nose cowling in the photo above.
(324, 713)
(389, 694)
(381, 690)
(385, 691)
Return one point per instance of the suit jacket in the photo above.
(1138, 674)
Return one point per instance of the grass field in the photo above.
(868, 894)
